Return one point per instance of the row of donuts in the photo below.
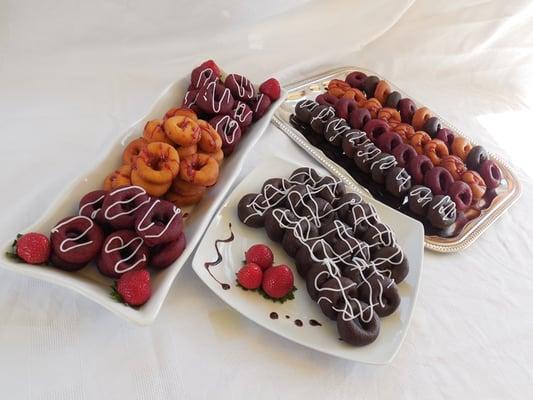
(231, 103)
(350, 260)
(122, 230)
(384, 168)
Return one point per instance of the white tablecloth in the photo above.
(73, 75)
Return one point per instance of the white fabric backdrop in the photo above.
(73, 75)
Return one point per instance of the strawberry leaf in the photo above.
(115, 295)
(288, 296)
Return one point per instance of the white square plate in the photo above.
(88, 281)
(409, 233)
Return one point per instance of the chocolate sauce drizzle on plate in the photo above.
(273, 315)
(297, 322)
(210, 264)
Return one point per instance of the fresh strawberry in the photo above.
(261, 255)
(250, 276)
(271, 88)
(33, 248)
(134, 287)
(211, 64)
(278, 281)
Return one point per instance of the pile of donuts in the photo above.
(349, 259)
(401, 146)
(230, 103)
(123, 230)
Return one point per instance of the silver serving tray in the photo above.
(311, 87)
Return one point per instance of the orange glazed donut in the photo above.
(419, 140)
(436, 149)
(354, 94)
(186, 112)
(132, 150)
(217, 155)
(158, 163)
(390, 115)
(120, 177)
(179, 186)
(153, 189)
(420, 117)
(382, 91)
(180, 200)
(182, 130)
(461, 147)
(210, 140)
(200, 169)
(338, 83)
(153, 132)
(373, 106)
(406, 131)
(184, 151)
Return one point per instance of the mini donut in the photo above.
(461, 195)
(388, 141)
(355, 79)
(358, 329)
(435, 149)
(335, 130)
(182, 130)
(154, 132)
(338, 86)
(454, 165)
(373, 106)
(475, 157)
(364, 155)
(242, 114)
(202, 75)
(240, 87)
(214, 98)
(259, 106)
(303, 261)
(369, 85)
(329, 188)
(419, 140)
(438, 180)
(344, 107)
(229, 131)
(351, 139)
(184, 151)
(354, 94)
(190, 99)
(359, 117)
(303, 110)
(380, 166)
(375, 127)
(391, 260)
(418, 199)
(397, 181)
(118, 178)
(217, 155)
(271, 218)
(132, 150)
(406, 131)
(162, 256)
(199, 169)
(57, 262)
(393, 99)
(158, 222)
(152, 188)
(331, 298)
(461, 147)
(210, 140)
(420, 117)
(181, 111)
(382, 91)
(76, 239)
(403, 154)
(447, 136)
(418, 167)
(317, 275)
(157, 162)
(91, 206)
(319, 117)
(441, 211)
(121, 252)
(432, 126)
(179, 186)
(491, 173)
(382, 292)
(407, 108)
(274, 190)
(304, 175)
(327, 99)
(291, 243)
(180, 200)
(390, 115)
(379, 235)
(360, 217)
(120, 206)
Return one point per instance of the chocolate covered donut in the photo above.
(369, 85)
(351, 139)
(335, 129)
(475, 157)
(251, 209)
(418, 167)
(491, 173)
(319, 117)
(242, 114)
(432, 126)
(334, 294)
(229, 131)
(158, 222)
(355, 327)
(214, 98)
(388, 141)
(393, 99)
(418, 199)
(355, 79)
(359, 117)
(91, 206)
(327, 99)
(382, 291)
(364, 155)
(397, 181)
(344, 107)
(240, 87)
(303, 110)
(380, 167)
(441, 211)
(407, 108)
(403, 154)
(391, 260)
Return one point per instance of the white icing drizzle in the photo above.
(240, 114)
(108, 249)
(423, 193)
(140, 228)
(90, 203)
(354, 136)
(308, 105)
(211, 89)
(187, 101)
(368, 151)
(259, 101)
(244, 86)
(205, 75)
(384, 163)
(227, 127)
(404, 179)
(63, 245)
(324, 114)
(446, 208)
(338, 127)
(140, 192)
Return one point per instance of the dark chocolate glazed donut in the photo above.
(357, 329)
(355, 79)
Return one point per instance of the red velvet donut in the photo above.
(327, 99)
(120, 206)
(240, 87)
(202, 75)
(76, 240)
(447, 136)
(122, 251)
(355, 79)
(461, 194)
(491, 173)
(388, 141)
(359, 117)
(407, 108)
(404, 153)
(438, 180)
(165, 254)
(91, 205)
(344, 107)
(376, 127)
(242, 114)
(190, 99)
(214, 98)
(418, 167)
(259, 106)
(159, 222)
(229, 131)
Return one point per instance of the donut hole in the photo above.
(443, 182)
(124, 253)
(495, 173)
